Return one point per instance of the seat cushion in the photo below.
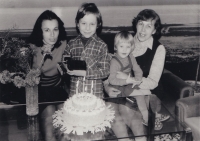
(194, 124)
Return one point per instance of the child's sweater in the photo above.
(116, 66)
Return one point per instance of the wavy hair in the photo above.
(145, 15)
(36, 36)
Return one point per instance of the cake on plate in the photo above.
(83, 112)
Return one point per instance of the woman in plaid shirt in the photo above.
(89, 47)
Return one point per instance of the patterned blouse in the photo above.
(95, 54)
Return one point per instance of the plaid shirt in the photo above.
(95, 54)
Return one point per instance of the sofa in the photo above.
(172, 88)
(188, 112)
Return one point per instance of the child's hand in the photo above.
(77, 72)
(121, 75)
(112, 92)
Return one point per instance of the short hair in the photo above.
(149, 14)
(123, 36)
(89, 8)
(36, 36)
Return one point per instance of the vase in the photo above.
(32, 100)
(33, 128)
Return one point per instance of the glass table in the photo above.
(15, 125)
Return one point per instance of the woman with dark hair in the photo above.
(49, 37)
(36, 36)
(150, 55)
(49, 33)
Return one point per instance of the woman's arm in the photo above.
(156, 70)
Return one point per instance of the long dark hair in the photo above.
(148, 14)
(87, 8)
(36, 36)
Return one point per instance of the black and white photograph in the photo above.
(99, 70)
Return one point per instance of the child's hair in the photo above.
(123, 36)
(145, 15)
(36, 36)
(89, 8)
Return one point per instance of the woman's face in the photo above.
(88, 25)
(145, 29)
(50, 31)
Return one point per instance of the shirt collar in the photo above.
(148, 43)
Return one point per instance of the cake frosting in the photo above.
(84, 110)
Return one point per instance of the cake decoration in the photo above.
(83, 112)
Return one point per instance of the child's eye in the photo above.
(56, 29)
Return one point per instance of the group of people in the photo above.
(141, 53)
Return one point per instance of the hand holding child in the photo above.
(132, 80)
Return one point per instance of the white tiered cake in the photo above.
(83, 112)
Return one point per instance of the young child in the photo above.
(89, 47)
(126, 63)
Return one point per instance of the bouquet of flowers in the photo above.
(15, 61)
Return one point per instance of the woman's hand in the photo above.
(112, 92)
(77, 72)
(129, 80)
(121, 75)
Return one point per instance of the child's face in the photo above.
(145, 29)
(88, 25)
(123, 49)
(50, 31)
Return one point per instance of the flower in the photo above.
(19, 82)
(16, 58)
(15, 54)
(5, 77)
(46, 50)
(32, 78)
